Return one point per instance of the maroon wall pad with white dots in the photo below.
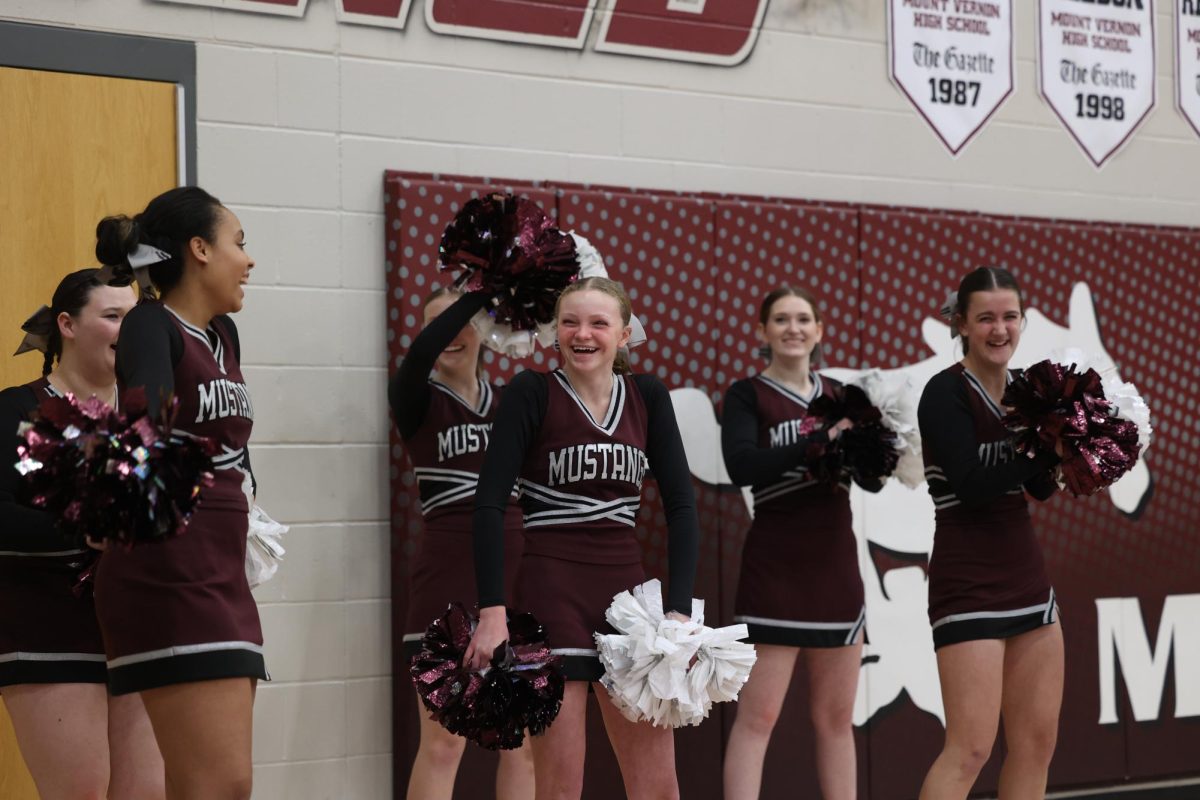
(697, 266)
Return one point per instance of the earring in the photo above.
(555, 345)
(764, 351)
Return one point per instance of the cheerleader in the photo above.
(76, 740)
(799, 590)
(180, 625)
(995, 622)
(445, 422)
(578, 442)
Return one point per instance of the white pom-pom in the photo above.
(646, 665)
(892, 393)
(503, 339)
(263, 550)
(591, 263)
(1128, 404)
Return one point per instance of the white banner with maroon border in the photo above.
(1187, 61)
(953, 60)
(1096, 69)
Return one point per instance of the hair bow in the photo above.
(137, 269)
(948, 310)
(37, 329)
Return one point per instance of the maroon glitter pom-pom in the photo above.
(112, 476)
(865, 453)
(1055, 408)
(508, 246)
(522, 690)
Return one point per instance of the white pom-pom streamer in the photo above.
(649, 670)
(892, 393)
(263, 549)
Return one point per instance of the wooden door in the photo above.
(73, 148)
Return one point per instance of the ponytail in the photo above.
(70, 297)
(621, 365)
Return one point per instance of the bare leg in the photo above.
(1033, 686)
(136, 765)
(204, 732)
(646, 753)
(833, 682)
(758, 709)
(62, 731)
(558, 753)
(971, 676)
(436, 764)
(514, 777)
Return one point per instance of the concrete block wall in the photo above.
(298, 119)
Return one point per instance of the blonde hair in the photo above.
(615, 290)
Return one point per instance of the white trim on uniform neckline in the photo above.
(216, 350)
(977, 385)
(792, 394)
(53, 391)
(616, 402)
(485, 396)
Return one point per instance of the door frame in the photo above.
(113, 55)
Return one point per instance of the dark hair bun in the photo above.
(115, 238)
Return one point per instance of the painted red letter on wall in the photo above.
(708, 31)
(378, 13)
(558, 23)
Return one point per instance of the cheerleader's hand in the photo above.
(96, 544)
(843, 424)
(491, 632)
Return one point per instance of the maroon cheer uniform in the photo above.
(180, 610)
(580, 482)
(445, 438)
(799, 584)
(987, 579)
(48, 628)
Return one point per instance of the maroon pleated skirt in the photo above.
(48, 628)
(180, 610)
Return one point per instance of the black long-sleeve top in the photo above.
(950, 420)
(23, 529)
(408, 389)
(518, 422)
(746, 461)
(148, 350)
(749, 464)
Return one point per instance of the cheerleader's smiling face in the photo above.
(462, 355)
(226, 264)
(590, 331)
(791, 329)
(991, 327)
(92, 333)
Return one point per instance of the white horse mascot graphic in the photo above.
(900, 657)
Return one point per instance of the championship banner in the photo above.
(1096, 65)
(953, 60)
(1187, 60)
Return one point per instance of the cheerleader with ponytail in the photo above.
(992, 608)
(180, 625)
(799, 592)
(76, 740)
(579, 511)
(438, 396)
